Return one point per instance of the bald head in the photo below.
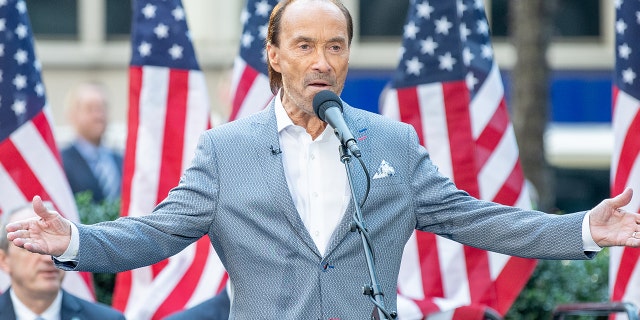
(87, 111)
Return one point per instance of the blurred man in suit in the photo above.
(88, 164)
(35, 291)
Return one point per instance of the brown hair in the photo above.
(273, 36)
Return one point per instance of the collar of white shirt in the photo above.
(316, 178)
(24, 313)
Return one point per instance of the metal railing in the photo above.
(595, 309)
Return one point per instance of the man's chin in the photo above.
(49, 282)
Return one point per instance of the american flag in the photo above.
(624, 269)
(449, 88)
(29, 160)
(250, 91)
(168, 111)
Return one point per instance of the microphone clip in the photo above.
(275, 151)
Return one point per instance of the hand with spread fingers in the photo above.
(49, 233)
(611, 225)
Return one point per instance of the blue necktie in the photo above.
(107, 175)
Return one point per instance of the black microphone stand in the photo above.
(372, 290)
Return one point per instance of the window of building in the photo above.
(572, 18)
(118, 19)
(380, 19)
(59, 19)
(54, 19)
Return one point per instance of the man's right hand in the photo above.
(49, 233)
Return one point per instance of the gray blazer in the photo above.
(235, 192)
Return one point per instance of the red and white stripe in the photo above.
(472, 142)
(30, 165)
(250, 91)
(624, 269)
(168, 111)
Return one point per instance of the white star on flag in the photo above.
(628, 76)
(19, 107)
(446, 61)
(149, 11)
(424, 10)
(263, 8)
(161, 31)
(410, 30)
(624, 51)
(414, 66)
(443, 25)
(428, 46)
(176, 52)
(621, 26)
(20, 81)
(144, 49)
(21, 31)
(467, 56)
(21, 57)
(246, 39)
(178, 13)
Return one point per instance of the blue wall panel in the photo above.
(576, 96)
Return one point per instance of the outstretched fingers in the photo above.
(19, 233)
(19, 225)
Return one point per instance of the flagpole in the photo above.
(373, 289)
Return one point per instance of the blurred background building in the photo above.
(79, 40)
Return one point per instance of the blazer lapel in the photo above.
(6, 306)
(272, 163)
(358, 127)
(70, 308)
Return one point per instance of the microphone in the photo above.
(328, 107)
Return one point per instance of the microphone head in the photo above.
(324, 100)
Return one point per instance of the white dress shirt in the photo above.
(24, 313)
(316, 177)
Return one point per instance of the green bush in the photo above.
(91, 213)
(555, 282)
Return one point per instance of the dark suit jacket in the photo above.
(73, 308)
(79, 173)
(216, 308)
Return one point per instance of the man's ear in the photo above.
(4, 265)
(273, 56)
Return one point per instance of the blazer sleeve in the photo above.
(144, 239)
(441, 208)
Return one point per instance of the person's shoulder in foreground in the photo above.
(216, 308)
(73, 306)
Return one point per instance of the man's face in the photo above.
(313, 54)
(31, 274)
(90, 115)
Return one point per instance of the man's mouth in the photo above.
(319, 84)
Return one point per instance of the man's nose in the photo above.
(321, 63)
